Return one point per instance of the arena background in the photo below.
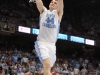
(81, 21)
(81, 18)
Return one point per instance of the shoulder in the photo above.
(59, 15)
(45, 10)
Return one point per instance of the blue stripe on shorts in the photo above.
(38, 51)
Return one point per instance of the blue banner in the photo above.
(35, 31)
(60, 36)
(77, 39)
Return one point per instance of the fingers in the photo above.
(32, 1)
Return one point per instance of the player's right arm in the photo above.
(40, 6)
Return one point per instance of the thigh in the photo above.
(52, 54)
(46, 63)
(42, 51)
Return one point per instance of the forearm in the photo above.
(60, 9)
(60, 5)
(37, 1)
(40, 5)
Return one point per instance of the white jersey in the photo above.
(49, 26)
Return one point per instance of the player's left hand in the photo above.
(31, 1)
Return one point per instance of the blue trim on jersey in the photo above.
(38, 51)
(39, 20)
(58, 29)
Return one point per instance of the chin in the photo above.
(52, 8)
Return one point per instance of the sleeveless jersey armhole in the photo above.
(45, 9)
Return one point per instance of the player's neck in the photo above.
(52, 9)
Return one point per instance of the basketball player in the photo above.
(49, 29)
(52, 71)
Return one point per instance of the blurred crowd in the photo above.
(17, 58)
(25, 14)
(15, 61)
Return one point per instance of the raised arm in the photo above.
(60, 8)
(39, 5)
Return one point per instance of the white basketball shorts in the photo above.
(46, 50)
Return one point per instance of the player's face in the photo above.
(53, 5)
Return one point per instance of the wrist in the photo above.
(32, 1)
(37, 1)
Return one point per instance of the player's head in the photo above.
(53, 5)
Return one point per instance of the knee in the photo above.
(46, 64)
